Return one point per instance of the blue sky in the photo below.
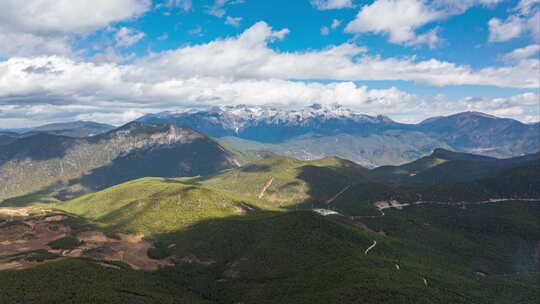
(409, 59)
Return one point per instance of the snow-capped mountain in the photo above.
(246, 121)
(317, 131)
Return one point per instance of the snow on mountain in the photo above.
(241, 116)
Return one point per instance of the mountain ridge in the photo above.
(318, 131)
(131, 151)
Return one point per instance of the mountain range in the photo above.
(161, 213)
(318, 131)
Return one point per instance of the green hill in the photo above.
(157, 205)
(287, 180)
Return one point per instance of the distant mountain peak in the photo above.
(240, 115)
(468, 114)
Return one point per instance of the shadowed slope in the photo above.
(86, 164)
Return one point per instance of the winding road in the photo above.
(370, 247)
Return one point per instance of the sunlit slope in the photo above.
(287, 180)
(152, 205)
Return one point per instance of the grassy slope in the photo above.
(293, 181)
(157, 205)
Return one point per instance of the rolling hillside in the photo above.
(287, 180)
(157, 205)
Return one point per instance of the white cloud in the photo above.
(524, 20)
(525, 6)
(510, 28)
(234, 21)
(33, 27)
(218, 9)
(127, 36)
(67, 16)
(331, 4)
(110, 56)
(431, 38)
(397, 18)
(185, 5)
(521, 53)
(249, 56)
(197, 31)
(325, 30)
(236, 70)
(400, 19)
(27, 44)
(335, 24)
(115, 94)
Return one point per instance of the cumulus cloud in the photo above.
(28, 44)
(400, 19)
(127, 36)
(325, 30)
(335, 24)
(331, 4)
(109, 55)
(236, 70)
(397, 18)
(524, 20)
(234, 21)
(115, 94)
(35, 27)
(218, 8)
(249, 56)
(521, 53)
(185, 5)
(504, 30)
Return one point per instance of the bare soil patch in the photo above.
(21, 233)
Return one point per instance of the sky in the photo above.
(113, 61)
